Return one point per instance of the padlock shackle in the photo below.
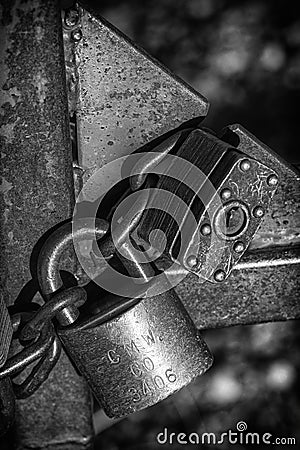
(49, 260)
(144, 271)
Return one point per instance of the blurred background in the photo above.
(244, 57)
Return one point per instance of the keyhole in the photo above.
(235, 220)
(232, 220)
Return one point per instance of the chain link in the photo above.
(40, 372)
(31, 352)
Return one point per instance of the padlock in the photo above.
(228, 201)
(139, 357)
(133, 352)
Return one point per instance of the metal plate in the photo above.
(249, 196)
(123, 97)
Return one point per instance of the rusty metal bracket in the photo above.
(37, 193)
(121, 96)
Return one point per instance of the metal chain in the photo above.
(40, 372)
(68, 297)
(35, 330)
(33, 351)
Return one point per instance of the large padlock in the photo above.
(133, 353)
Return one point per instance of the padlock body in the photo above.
(231, 188)
(140, 357)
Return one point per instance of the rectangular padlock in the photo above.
(208, 203)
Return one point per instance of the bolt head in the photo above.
(219, 275)
(245, 165)
(272, 180)
(226, 194)
(192, 261)
(76, 35)
(258, 212)
(205, 229)
(239, 247)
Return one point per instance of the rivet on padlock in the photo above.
(137, 357)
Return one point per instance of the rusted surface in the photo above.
(36, 193)
(125, 98)
(281, 225)
(36, 189)
(264, 288)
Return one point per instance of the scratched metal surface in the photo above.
(264, 288)
(281, 225)
(36, 193)
(125, 98)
